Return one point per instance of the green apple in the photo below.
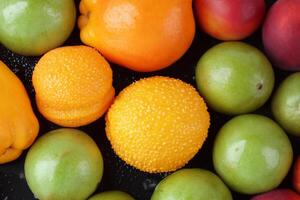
(33, 27)
(63, 164)
(234, 78)
(286, 104)
(252, 154)
(191, 184)
(112, 195)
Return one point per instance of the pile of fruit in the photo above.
(161, 122)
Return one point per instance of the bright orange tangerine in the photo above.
(73, 85)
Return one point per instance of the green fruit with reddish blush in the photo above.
(252, 154)
(286, 104)
(234, 78)
(191, 184)
(63, 164)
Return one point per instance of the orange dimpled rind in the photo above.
(157, 124)
(73, 85)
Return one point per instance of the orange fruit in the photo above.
(18, 125)
(144, 36)
(73, 85)
(157, 124)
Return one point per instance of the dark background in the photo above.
(118, 175)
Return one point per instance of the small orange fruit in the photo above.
(73, 85)
(145, 35)
(18, 125)
(157, 124)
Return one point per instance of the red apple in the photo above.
(230, 19)
(278, 194)
(281, 34)
(296, 175)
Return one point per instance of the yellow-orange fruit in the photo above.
(73, 85)
(18, 124)
(157, 124)
(142, 35)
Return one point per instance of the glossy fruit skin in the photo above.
(141, 35)
(278, 194)
(296, 175)
(230, 19)
(252, 154)
(73, 85)
(167, 125)
(281, 33)
(286, 104)
(33, 27)
(18, 124)
(112, 195)
(192, 184)
(234, 78)
(63, 164)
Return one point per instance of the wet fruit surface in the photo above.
(73, 85)
(166, 122)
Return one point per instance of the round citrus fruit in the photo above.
(140, 35)
(73, 85)
(157, 124)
